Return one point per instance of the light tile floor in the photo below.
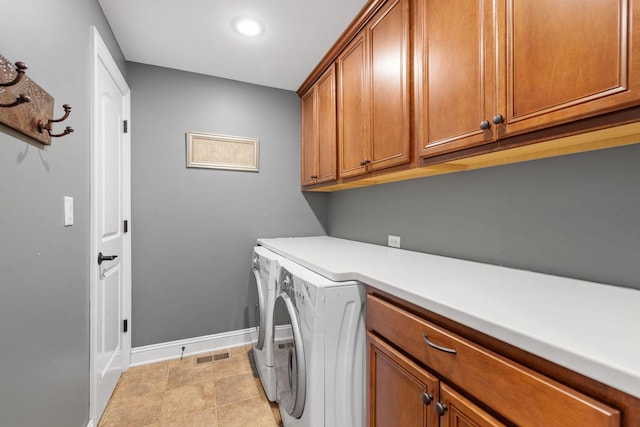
(181, 393)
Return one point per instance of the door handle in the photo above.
(105, 258)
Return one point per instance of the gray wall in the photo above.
(574, 216)
(193, 229)
(44, 286)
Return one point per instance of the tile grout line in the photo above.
(164, 371)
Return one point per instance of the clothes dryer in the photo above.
(264, 274)
(320, 369)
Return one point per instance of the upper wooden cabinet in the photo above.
(457, 73)
(424, 87)
(374, 94)
(353, 107)
(489, 70)
(319, 131)
(570, 59)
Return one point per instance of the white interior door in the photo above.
(110, 246)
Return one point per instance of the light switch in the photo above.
(68, 211)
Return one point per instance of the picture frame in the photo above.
(213, 151)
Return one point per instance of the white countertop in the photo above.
(591, 328)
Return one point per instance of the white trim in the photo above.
(101, 53)
(90, 424)
(208, 343)
(173, 349)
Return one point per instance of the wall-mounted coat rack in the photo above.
(25, 106)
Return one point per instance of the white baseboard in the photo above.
(173, 349)
(90, 423)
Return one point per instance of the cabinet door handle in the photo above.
(365, 162)
(498, 119)
(314, 176)
(427, 398)
(441, 408)
(485, 125)
(436, 346)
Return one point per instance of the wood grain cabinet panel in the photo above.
(309, 140)
(457, 41)
(374, 94)
(327, 127)
(390, 114)
(353, 107)
(459, 411)
(400, 392)
(518, 394)
(319, 134)
(494, 69)
(570, 59)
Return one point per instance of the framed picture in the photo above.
(205, 150)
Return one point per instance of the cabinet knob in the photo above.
(427, 398)
(314, 176)
(485, 125)
(365, 162)
(441, 408)
(498, 119)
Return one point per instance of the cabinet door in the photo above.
(400, 392)
(309, 140)
(456, 84)
(327, 136)
(319, 136)
(353, 108)
(570, 59)
(388, 34)
(460, 412)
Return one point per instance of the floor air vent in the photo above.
(204, 359)
(220, 356)
(211, 358)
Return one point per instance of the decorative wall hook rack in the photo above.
(42, 126)
(25, 106)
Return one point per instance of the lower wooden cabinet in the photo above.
(400, 392)
(404, 394)
(458, 411)
(421, 374)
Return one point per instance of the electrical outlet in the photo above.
(394, 241)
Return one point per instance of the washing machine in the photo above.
(264, 286)
(320, 367)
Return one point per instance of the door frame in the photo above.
(101, 53)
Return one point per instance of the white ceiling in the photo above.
(196, 36)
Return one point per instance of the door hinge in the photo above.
(126, 225)
(125, 126)
(125, 325)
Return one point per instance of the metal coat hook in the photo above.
(19, 100)
(22, 98)
(42, 126)
(20, 67)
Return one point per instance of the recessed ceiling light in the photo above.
(247, 27)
